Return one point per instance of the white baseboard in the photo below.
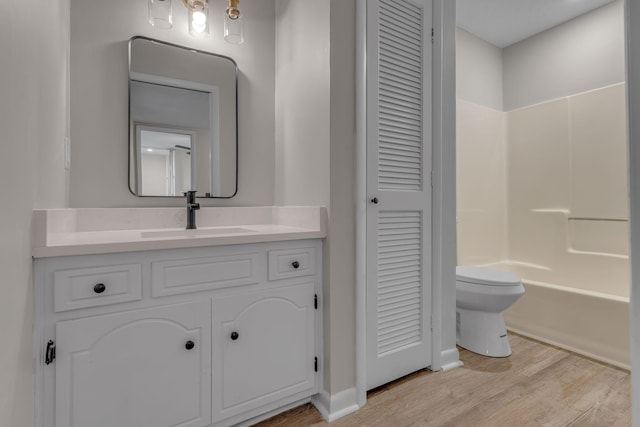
(450, 359)
(334, 406)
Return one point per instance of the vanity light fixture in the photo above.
(160, 16)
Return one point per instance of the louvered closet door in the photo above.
(398, 177)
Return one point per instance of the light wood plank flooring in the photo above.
(538, 385)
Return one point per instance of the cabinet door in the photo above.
(136, 368)
(263, 348)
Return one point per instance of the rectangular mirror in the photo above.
(183, 132)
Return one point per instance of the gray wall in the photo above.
(341, 240)
(296, 142)
(34, 39)
(580, 55)
(479, 71)
(99, 34)
(583, 54)
(315, 115)
(302, 102)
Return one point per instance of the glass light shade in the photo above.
(160, 14)
(199, 20)
(233, 28)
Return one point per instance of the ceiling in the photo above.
(505, 22)
(164, 140)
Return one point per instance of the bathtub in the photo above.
(576, 277)
(587, 322)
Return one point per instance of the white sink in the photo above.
(208, 231)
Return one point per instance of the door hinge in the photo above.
(431, 179)
(315, 364)
(433, 36)
(315, 301)
(431, 323)
(50, 352)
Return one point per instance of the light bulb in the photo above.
(199, 18)
(199, 21)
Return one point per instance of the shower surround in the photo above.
(542, 192)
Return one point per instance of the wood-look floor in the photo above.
(538, 385)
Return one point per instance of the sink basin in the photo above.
(210, 231)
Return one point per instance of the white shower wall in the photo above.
(481, 184)
(567, 192)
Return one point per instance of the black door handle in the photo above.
(374, 200)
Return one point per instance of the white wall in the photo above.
(577, 56)
(99, 34)
(315, 54)
(34, 120)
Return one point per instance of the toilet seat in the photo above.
(486, 276)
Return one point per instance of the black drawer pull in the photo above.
(295, 264)
(99, 288)
(189, 345)
(235, 335)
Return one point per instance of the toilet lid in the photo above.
(486, 276)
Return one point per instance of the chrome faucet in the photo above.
(192, 207)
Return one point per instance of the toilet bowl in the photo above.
(482, 295)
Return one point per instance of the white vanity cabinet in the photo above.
(194, 337)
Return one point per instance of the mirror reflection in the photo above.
(183, 121)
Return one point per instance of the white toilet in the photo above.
(482, 295)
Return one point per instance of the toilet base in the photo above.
(483, 333)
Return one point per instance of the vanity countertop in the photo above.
(65, 232)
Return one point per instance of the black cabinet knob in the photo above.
(295, 264)
(235, 335)
(99, 288)
(189, 345)
(374, 200)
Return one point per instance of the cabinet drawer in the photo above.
(203, 274)
(284, 264)
(96, 286)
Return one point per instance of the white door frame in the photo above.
(444, 353)
(632, 40)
